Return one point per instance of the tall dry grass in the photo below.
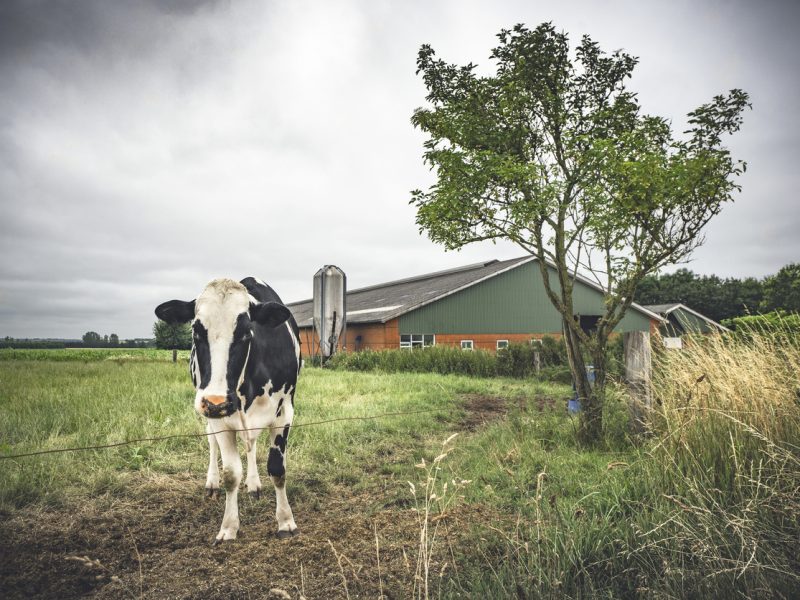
(708, 506)
(749, 385)
(727, 428)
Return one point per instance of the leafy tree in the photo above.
(91, 339)
(716, 298)
(782, 290)
(739, 297)
(113, 339)
(176, 336)
(553, 153)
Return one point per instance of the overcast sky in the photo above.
(147, 147)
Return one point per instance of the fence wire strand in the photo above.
(208, 433)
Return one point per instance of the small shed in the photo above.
(680, 320)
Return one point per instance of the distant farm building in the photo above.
(486, 305)
(679, 319)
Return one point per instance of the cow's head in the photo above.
(222, 330)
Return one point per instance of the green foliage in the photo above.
(616, 357)
(87, 355)
(10, 342)
(782, 290)
(444, 360)
(92, 338)
(553, 153)
(777, 323)
(554, 351)
(172, 335)
(516, 360)
(711, 296)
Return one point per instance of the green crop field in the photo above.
(509, 507)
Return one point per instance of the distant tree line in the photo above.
(91, 339)
(722, 299)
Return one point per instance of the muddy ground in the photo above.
(155, 541)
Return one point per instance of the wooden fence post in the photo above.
(537, 362)
(638, 368)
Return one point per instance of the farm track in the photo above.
(162, 527)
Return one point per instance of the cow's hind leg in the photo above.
(212, 479)
(276, 467)
(231, 478)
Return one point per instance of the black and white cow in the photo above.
(244, 364)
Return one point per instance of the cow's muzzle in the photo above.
(216, 407)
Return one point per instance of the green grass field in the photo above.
(534, 515)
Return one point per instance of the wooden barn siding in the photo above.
(513, 302)
(375, 336)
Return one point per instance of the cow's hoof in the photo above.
(212, 492)
(220, 542)
(255, 495)
(283, 535)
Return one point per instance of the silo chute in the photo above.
(330, 310)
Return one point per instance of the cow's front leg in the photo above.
(276, 467)
(253, 481)
(231, 478)
(212, 479)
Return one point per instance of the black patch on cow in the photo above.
(191, 368)
(176, 311)
(285, 438)
(237, 354)
(270, 314)
(275, 463)
(272, 351)
(280, 440)
(280, 404)
(202, 353)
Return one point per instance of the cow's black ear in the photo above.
(269, 314)
(176, 311)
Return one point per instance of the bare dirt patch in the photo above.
(156, 543)
(481, 409)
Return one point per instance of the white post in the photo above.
(638, 369)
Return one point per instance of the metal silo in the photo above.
(330, 309)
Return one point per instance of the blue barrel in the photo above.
(573, 404)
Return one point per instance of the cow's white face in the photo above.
(223, 318)
(221, 335)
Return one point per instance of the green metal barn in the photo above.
(485, 305)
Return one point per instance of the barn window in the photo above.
(502, 344)
(466, 344)
(417, 340)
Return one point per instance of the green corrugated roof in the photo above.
(383, 302)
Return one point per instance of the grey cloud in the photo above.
(146, 147)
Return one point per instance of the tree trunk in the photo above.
(591, 398)
(174, 355)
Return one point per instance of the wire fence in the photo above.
(162, 438)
